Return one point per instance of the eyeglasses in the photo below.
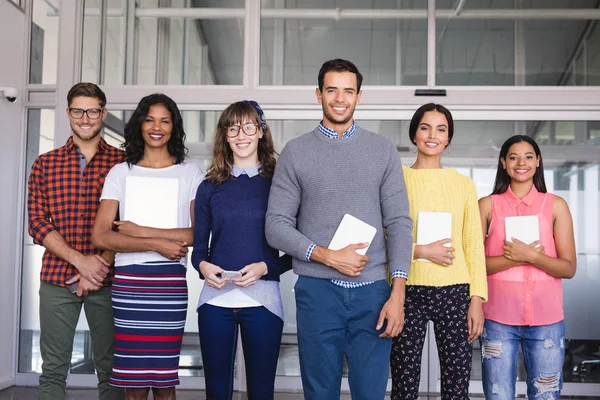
(249, 129)
(92, 113)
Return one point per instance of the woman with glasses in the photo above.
(144, 216)
(240, 270)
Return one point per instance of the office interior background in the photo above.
(508, 67)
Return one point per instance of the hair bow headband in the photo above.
(260, 112)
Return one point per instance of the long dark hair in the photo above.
(503, 180)
(134, 142)
(418, 117)
(222, 160)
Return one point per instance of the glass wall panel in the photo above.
(44, 42)
(475, 53)
(172, 51)
(194, 4)
(386, 52)
(592, 58)
(40, 139)
(112, 56)
(504, 53)
(345, 4)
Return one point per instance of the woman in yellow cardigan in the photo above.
(447, 281)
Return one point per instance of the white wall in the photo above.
(12, 42)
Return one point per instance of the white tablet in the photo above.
(433, 226)
(524, 228)
(351, 231)
(152, 202)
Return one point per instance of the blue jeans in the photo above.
(543, 353)
(333, 321)
(261, 337)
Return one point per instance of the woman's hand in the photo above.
(130, 229)
(522, 252)
(251, 273)
(475, 318)
(210, 273)
(171, 249)
(438, 253)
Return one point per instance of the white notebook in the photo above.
(433, 226)
(351, 231)
(525, 228)
(152, 202)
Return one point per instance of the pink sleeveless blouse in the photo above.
(524, 294)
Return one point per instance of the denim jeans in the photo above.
(543, 353)
(334, 321)
(261, 338)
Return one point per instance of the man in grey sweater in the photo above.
(344, 303)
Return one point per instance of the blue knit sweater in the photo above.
(234, 213)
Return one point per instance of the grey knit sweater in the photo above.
(317, 180)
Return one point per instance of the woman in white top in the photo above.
(145, 217)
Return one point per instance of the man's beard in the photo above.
(91, 135)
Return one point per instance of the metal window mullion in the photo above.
(374, 14)
(70, 42)
(278, 46)
(431, 42)
(123, 39)
(102, 41)
(131, 45)
(398, 80)
(187, 27)
(251, 75)
(520, 74)
(162, 51)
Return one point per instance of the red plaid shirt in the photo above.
(64, 198)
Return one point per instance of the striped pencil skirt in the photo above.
(150, 306)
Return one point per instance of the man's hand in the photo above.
(251, 273)
(130, 229)
(393, 313)
(210, 272)
(475, 318)
(93, 267)
(84, 286)
(347, 261)
(171, 249)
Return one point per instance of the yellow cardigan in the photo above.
(446, 190)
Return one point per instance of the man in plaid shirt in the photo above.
(63, 196)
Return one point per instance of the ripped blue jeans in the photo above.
(543, 353)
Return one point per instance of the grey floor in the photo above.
(21, 393)
(30, 394)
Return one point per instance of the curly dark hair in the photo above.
(134, 142)
(222, 160)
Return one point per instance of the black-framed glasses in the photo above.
(92, 113)
(249, 129)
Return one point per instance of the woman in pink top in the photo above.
(524, 304)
